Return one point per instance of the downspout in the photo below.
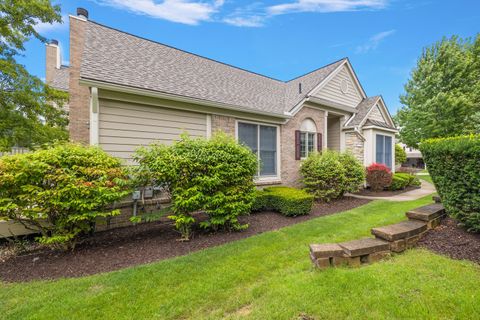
(357, 131)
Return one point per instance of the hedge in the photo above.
(454, 165)
(288, 201)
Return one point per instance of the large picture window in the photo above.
(262, 140)
(384, 150)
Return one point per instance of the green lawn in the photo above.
(426, 178)
(268, 276)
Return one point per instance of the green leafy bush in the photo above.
(288, 201)
(454, 165)
(400, 154)
(379, 176)
(354, 172)
(401, 180)
(330, 175)
(211, 175)
(61, 191)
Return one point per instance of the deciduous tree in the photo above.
(30, 111)
(442, 97)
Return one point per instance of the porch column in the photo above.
(325, 131)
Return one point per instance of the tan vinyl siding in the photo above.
(123, 127)
(331, 91)
(333, 134)
(376, 115)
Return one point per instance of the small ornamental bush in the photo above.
(401, 180)
(211, 175)
(331, 174)
(288, 201)
(454, 165)
(354, 172)
(324, 175)
(379, 176)
(61, 191)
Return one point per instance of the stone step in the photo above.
(364, 246)
(402, 230)
(427, 213)
(326, 250)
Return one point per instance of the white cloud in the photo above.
(248, 21)
(326, 6)
(182, 11)
(49, 27)
(374, 41)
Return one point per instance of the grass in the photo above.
(425, 178)
(268, 276)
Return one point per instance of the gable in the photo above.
(376, 115)
(342, 89)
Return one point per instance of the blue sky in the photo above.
(286, 38)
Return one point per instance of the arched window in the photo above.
(307, 137)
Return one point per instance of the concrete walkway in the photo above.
(425, 190)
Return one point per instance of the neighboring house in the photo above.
(126, 91)
(414, 158)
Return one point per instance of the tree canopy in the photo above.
(31, 112)
(442, 96)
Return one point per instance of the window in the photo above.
(306, 143)
(262, 140)
(307, 137)
(384, 150)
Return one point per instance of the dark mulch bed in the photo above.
(451, 240)
(145, 243)
(385, 193)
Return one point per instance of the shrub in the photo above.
(402, 180)
(379, 176)
(288, 201)
(331, 174)
(400, 154)
(60, 191)
(324, 175)
(454, 165)
(354, 172)
(211, 175)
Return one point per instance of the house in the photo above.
(414, 158)
(127, 91)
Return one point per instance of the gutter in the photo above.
(174, 97)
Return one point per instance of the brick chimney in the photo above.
(79, 102)
(53, 60)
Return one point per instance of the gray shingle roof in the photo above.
(363, 108)
(117, 57)
(61, 78)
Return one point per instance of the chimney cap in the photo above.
(81, 12)
(54, 42)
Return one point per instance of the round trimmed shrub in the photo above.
(379, 176)
(61, 191)
(211, 175)
(454, 165)
(324, 175)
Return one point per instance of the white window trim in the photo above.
(315, 144)
(272, 178)
(375, 134)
